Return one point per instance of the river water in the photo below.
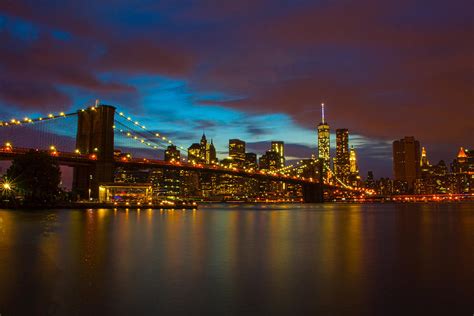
(297, 259)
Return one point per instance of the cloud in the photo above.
(81, 60)
(32, 95)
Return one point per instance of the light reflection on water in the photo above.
(240, 259)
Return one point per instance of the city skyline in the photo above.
(255, 85)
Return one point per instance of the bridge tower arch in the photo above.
(95, 137)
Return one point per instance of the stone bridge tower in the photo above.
(95, 137)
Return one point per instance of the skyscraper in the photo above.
(205, 152)
(424, 163)
(279, 148)
(323, 142)
(237, 151)
(354, 177)
(354, 168)
(341, 162)
(424, 159)
(212, 153)
(406, 160)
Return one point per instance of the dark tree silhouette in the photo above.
(36, 176)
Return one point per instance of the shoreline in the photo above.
(195, 206)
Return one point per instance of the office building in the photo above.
(279, 148)
(406, 160)
(324, 143)
(342, 160)
(237, 151)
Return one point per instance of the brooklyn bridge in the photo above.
(88, 140)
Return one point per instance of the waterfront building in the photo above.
(171, 186)
(126, 192)
(190, 184)
(209, 184)
(171, 183)
(406, 160)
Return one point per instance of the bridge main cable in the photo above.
(27, 120)
(153, 135)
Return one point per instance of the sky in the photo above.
(255, 70)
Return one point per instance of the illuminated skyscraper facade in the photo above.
(354, 176)
(279, 148)
(324, 142)
(354, 168)
(237, 151)
(205, 151)
(342, 161)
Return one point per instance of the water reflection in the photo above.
(332, 259)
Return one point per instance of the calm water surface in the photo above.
(331, 259)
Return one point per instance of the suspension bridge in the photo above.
(89, 139)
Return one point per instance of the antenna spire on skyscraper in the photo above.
(322, 113)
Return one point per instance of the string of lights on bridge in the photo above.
(27, 120)
(154, 134)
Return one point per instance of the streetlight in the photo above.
(6, 187)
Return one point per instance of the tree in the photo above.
(36, 176)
